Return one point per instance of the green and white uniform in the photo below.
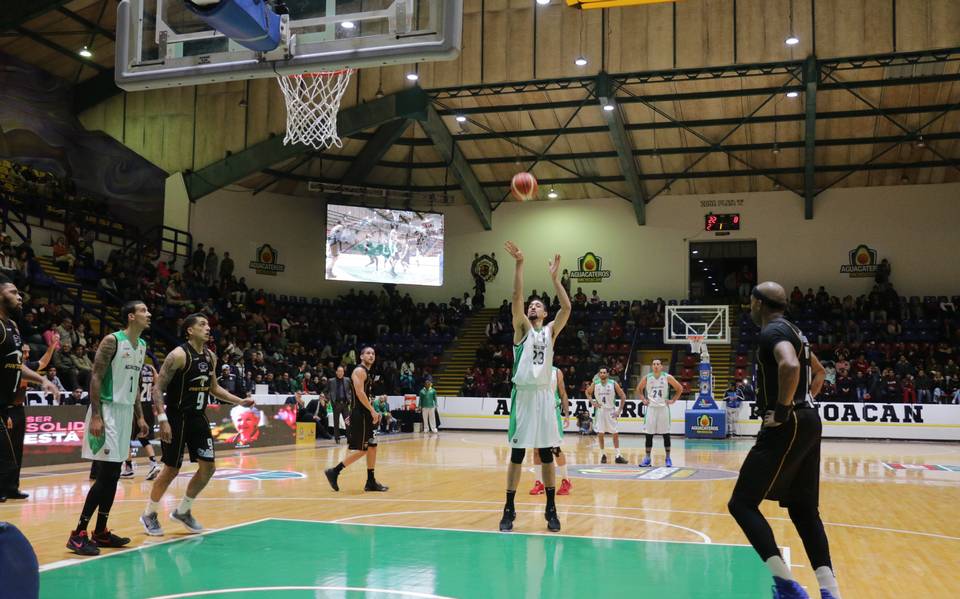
(555, 388)
(657, 420)
(533, 407)
(606, 396)
(118, 394)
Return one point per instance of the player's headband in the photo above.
(772, 303)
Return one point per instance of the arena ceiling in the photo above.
(705, 98)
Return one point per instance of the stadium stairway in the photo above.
(89, 297)
(462, 354)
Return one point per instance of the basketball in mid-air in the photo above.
(524, 186)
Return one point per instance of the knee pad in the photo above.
(546, 455)
(666, 440)
(649, 441)
(517, 454)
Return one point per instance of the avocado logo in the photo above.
(705, 420)
(590, 269)
(266, 262)
(861, 262)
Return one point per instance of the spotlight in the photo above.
(792, 40)
(543, 2)
(461, 119)
(347, 25)
(553, 194)
(414, 77)
(581, 61)
(790, 94)
(85, 52)
(609, 107)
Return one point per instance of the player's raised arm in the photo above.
(566, 308)
(521, 324)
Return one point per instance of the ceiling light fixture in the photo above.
(791, 40)
(414, 77)
(552, 194)
(85, 52)
(609, 107)
(347, 25)
(581, 61)
(461, 119)
(793, 93)
(543, 2)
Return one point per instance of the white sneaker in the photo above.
(127, 471)
(154, 470)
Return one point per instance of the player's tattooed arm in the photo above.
(171, 364)
(101, 364)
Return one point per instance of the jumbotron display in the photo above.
(377, 245)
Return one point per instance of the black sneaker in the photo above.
(603, 459)
(82, 545)
(553, 522)
(109, 540)
(621, 460)
(373, 485)
(17, 494)
(332, 476)
(506, 522)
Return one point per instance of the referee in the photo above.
(784, 464)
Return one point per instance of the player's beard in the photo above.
(14, 311)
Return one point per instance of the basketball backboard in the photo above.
(713, 322)
(160, 43)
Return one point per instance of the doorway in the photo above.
(718, 269)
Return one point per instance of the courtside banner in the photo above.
(848, 420)
(54, 434)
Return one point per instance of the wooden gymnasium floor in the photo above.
(283, 533)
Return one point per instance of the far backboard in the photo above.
(160, 43)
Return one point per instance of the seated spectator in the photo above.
(382, 407)
(584, 420)
(580, 298)
(594, 297)
(52, 377)
(494, 328)
(76, 398)
(63, 255)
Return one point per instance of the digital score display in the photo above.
(716, 223)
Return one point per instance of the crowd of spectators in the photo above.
(879, 347)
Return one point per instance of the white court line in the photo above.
(700, 534)
(75, 562)
(324, 588)
(473, 502)
(515, 533)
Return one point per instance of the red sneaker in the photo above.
(537, 488)
(565, 487)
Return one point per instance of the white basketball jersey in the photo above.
(605, 394)
(121, 383)
(533, 359)
(657, 389)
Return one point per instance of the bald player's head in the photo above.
(767, 298)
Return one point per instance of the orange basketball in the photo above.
(524, 186)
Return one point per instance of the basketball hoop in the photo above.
(313, 100)
(696, 342)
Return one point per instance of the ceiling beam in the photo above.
(409, 103)
(72, 54)
(811, 77)
(18, 13)
(621, 143)
(374, 150)
(90, 25)
(721, 174)
(448, 149)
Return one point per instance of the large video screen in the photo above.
(377, 245)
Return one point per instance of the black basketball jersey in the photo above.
(11, 350)
(367, 389)
(189, 389)
(768, 379)
(146, 383)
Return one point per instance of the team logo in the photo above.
(266, 262)
(705, 420)
(862, 262)
(704, 425)
(590, 269)
(203, 367)
(251, 474)
(484, 266)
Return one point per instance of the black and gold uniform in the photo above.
(361, 432)
(11, 361)
(186, 400)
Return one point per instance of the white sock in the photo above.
(778, 568)
(153, 507)
(827, 580)
(618, 453)
(185, 504)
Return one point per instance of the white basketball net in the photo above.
(696, 342)
(313, 100)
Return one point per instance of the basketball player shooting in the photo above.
(784, 464)
(533, 407)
